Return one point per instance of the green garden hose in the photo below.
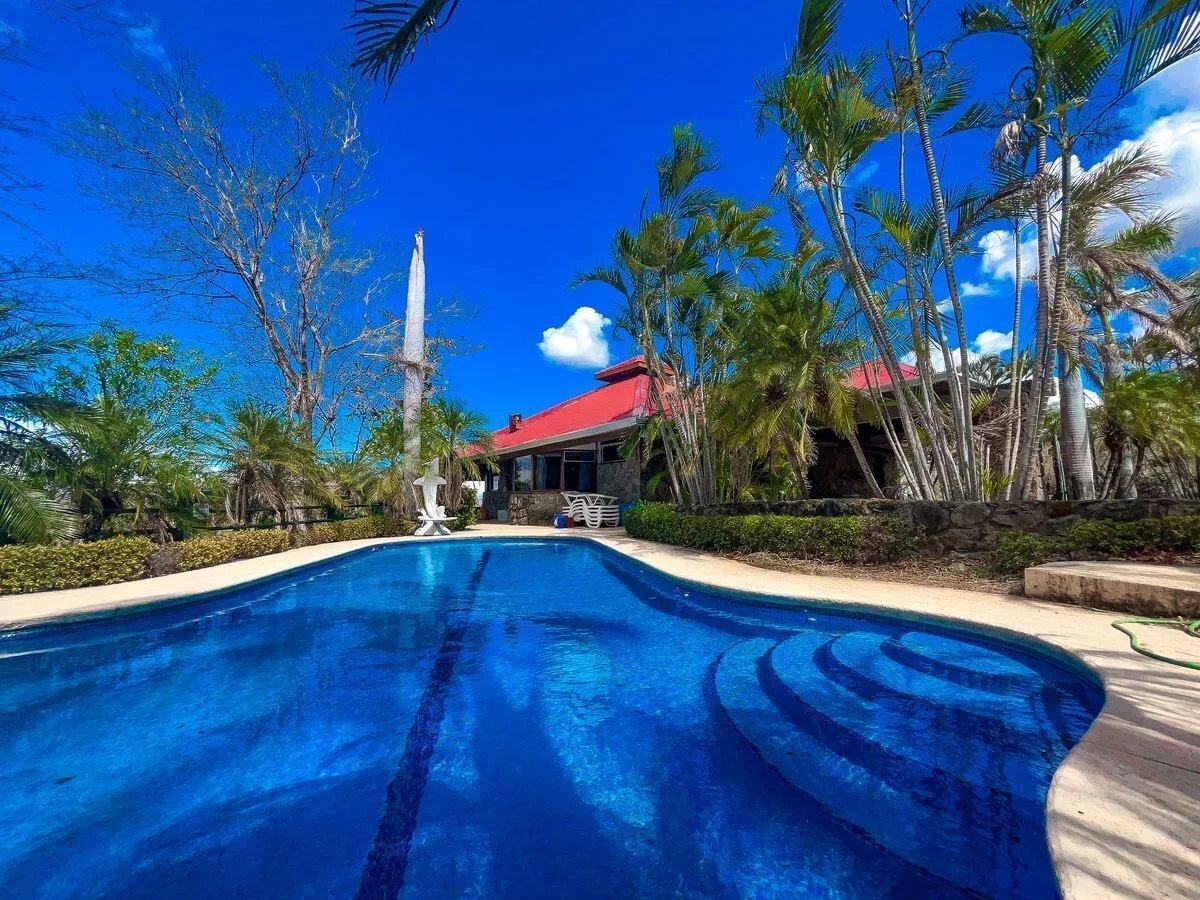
(1192, 628)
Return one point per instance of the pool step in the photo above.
(962, 662)
(1016, 721)
(901, 748)
(958, 845)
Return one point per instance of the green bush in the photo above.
(367, 527)
(24, 569)
(468, 510)
(1016, 551)
(1098, 539)
(229, 546)
(842, 538)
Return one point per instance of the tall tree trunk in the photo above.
(882, 337)
(965, 437)
(414, 371)
(868, 474)
(1012, 430)
(1042, 338)
(1077, 442)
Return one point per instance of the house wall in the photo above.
(622, 479)
(524, 507)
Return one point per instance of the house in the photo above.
(576, 446)
(572, 446)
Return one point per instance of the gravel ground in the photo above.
(962, 575)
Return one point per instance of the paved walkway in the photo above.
(1122, 813)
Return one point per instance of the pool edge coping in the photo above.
(1138, 763)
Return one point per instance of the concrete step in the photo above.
(1146, 589)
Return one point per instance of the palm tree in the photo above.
(388, 33)
(793, 346)
(464, 445)
(116, 460)
(1072, 47)
(385, 450)
(1146, 411)
(832, 114)
(28, 422)
(267, 463)
(688, 264)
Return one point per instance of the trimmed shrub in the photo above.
(229, 546)
(367, 527)
(1097, 539)
(26, 569)
(29, 568)
(843, 539)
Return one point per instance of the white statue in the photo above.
(432, 516)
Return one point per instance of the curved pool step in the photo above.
(909, 751)
(956, 845)
(859, 661)
(963, 662)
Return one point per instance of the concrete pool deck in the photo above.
(1122, 813)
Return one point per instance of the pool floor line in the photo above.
(383, 875)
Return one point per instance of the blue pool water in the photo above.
(523, 719)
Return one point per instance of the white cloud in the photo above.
(143, 37)
(986, 343)
(945, 307)
(992, 343)
(1000, 258)
(975, 289)
(1175, 140)
(936, 357)
(580, 341)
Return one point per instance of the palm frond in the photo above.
(387, 34)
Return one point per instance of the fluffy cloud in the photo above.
(580, 341)
(974, 289)
(144, 39)
(936, 358)
(1175, 140)
(999, 258)
(986, 343)
(992, 343)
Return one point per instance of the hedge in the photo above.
(29, 568)
(1097, 539)
(842, 539)
(48, 568)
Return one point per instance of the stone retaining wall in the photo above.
(971, 529)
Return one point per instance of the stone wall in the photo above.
(622, 479)
(971, 529)
(523, 507)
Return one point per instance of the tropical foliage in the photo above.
(750, 348)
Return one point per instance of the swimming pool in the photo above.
(524, 718)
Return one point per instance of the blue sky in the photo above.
(520, 139)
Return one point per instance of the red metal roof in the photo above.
(875, 374)
(623, 397)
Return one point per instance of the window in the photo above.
(547, 472)
(610, 452)
(522, 474)
(579, 470)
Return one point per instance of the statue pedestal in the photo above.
(432, 516)
(431, 526)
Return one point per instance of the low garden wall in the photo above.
(969, 529)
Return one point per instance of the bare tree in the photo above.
(242, 221)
